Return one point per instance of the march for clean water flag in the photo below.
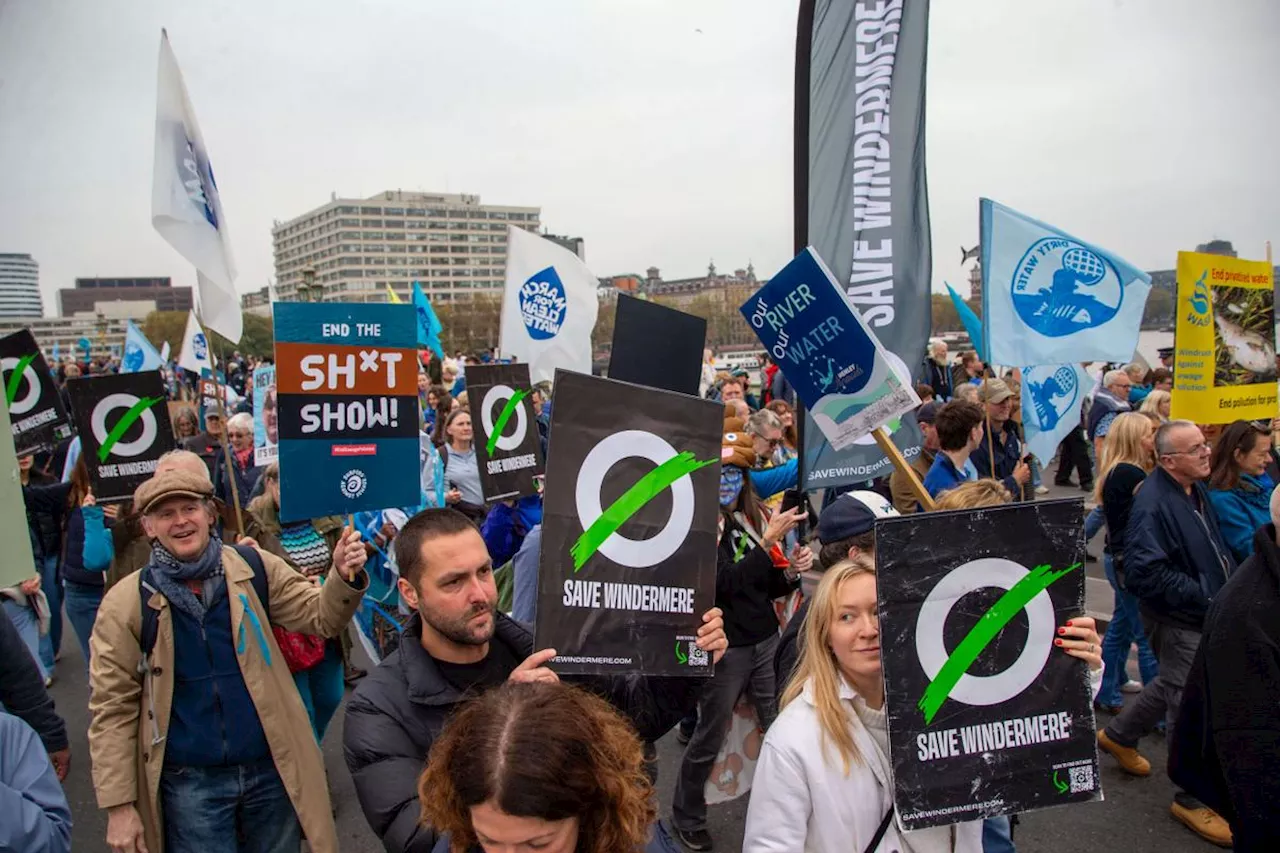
(1052, 395)
(195, 355)
(186, 205)
(37, 416)
(266, 416)
(139, 354)
(971, 321)
(18, 564)
(507, 445)
(827, 352)
(429, 326)
(629, 528)
(346, 386)
(549, 306)
(124, 430)
(986, 716)
(1049, 298)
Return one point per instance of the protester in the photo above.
(1161, 379)
(959, 425)
(185, 424)
(307, 547)
(1175, 561)
(905, 500)
(179, 762)
(461, 469)
(790, 445)
(208, 444)
(823, 782)
(1073, 455)
(456, 646)
(45, 524)
(240, 435)
(939, 376)
(430, 409)
(445, 404)
(1239, 487)
(1112, 399)
(707, 373)
(23, 694)
(1228, 733)
(1128, 456)
(966, 371)
(968, 392)
(732, 389)
(1137, 374)
(37, 818)
(999, 452)
(587, 790)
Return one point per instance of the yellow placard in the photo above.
(1225, 367)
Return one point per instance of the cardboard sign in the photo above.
(508, 449)
(124, 430)
(657, 346)
(37, 416)
(986, 716)
(346, 385)
(850, 384)
(266, 416)
(629, 526)
(1226, 340)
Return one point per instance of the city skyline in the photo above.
(663, 138)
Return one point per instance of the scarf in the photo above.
(170, 576)
(245, 458)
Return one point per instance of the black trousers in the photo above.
(1073, 454)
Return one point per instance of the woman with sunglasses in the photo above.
(1239, 487)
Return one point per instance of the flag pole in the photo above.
(800, 183)
(226, 434)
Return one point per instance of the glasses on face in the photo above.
(1201, 449)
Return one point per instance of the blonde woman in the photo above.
(823, 782)
(1128, 456)
(1157, 403)
(974, 494)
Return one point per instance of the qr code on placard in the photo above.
(697, 657)
(1081, 779)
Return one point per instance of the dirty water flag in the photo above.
(507, 444)
(346, 396)
(847, 381)
(124, 430)
(35, 409)
(628, 561)
(986, 716)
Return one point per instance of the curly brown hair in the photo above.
(549, 751)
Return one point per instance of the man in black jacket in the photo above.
(1228, 735)
(1175, 561)
(456, 646)
(22, 694)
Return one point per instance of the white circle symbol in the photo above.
(29, 400)
(972, 576)
(499, 394)
(98, 423)
(634, 553)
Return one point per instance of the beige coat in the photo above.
(126, 743)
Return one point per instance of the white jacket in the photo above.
(802, 801)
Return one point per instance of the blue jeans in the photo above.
(1125, 629)
(82, 603)
(51, 642)
(25, 620)
(997, 836)
(321, 688)
(207, 810)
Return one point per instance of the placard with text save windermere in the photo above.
(346, 390)
(629, 525)
(986, 716)
(35, 408)
(507, 444)
(124, 429)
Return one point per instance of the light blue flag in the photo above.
(57, 358)
(85, 346)
(429, 326)
(1048, 298)
(1051, 398)
(972, 323)
(139, 354)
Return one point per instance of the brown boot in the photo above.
(1204, 822)
(1130, 760)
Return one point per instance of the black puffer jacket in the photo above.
(399, 709)
(22, 690)
(46, 517)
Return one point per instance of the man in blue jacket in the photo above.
(1175, 561)
(1000, 442)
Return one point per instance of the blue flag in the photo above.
(1048, 298)
(972, 323)
(1052, 395)
(139, 354)
(84, 345)
(56, 356)
(429, 326)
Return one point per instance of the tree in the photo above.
(258, 337)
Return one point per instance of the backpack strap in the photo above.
(251, 556)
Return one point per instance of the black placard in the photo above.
(510, 460)
(100, 404)
(1015, 732)
(632, 600)
(657, 346)
(38, 416)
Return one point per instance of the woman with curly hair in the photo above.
(540, 766)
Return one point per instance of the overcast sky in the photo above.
(658, 130)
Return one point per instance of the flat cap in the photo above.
(171, 484)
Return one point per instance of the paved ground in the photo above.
(1134, 816)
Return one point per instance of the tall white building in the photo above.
(452, 244)
(19, 287)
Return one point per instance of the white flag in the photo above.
(195, 354)
(186, 208)
(549, 306)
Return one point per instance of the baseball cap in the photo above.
(853, 514)
(171, 484)
(928, 412)
(994, 391)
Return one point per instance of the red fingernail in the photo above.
(1070, 622)
(1063, 630)
(1057, 642)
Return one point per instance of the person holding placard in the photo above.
(45, 526)
(461, 470)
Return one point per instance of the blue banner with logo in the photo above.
(1052, 396)
(346, 407)
(139, 354)
(1049, 298)
(837, 367)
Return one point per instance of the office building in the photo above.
(104, 329)
(89, 293)
(19, 287)
(355, 248)
(257, 302)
